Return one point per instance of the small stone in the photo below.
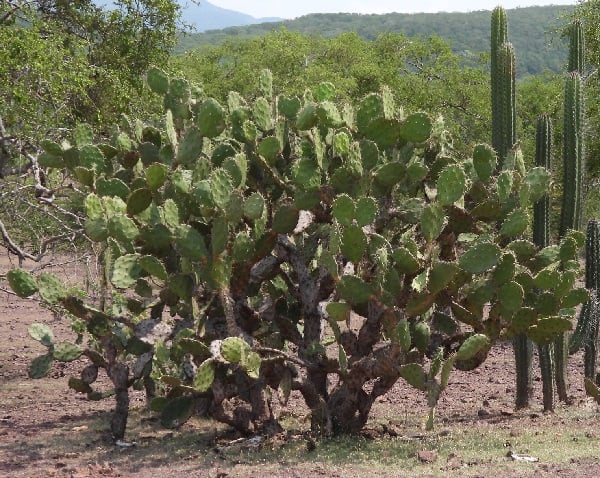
(483, 413)
(427, 456)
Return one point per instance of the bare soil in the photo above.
(48, 430)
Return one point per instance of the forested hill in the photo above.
(533, 31)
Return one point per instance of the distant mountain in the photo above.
(535, 32)
(207, 16)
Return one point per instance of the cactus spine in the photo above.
(541, 238)
(574, 170)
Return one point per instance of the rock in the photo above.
(427, 456)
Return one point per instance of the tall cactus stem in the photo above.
(572, 154)
(548, 382)
(499, 36)
(504, 137)
(508, 101)
(576, 48)
(523, 349)
(541, 237)
(543, 158)
(586, 332)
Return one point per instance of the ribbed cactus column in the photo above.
(541, 237)
(508, 113)
(572, 154)
(499, 36)
(570, 218)
(504, 137)
(576, 48)
(586, 333)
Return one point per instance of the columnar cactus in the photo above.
(574, 172)
(504, 137)
(499, 36)
(541, 238)
(573, 154)
(576, 48)
(586, 333)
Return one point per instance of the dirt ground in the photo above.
(46, 430)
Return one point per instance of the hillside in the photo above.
(533, 31)
(206, 16)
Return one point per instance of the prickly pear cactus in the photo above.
(277, 242)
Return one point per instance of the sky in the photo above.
(295, 8)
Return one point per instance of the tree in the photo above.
(62, 63)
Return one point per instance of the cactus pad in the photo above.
(366, 211)
(516, 223)
(510, 296)
(285, 219)
(251, 364)
(153, 266)
(354, 290)
(205, 376)
(505, 269)
(307, 117)
(544, 330)
(432, 221)
(421, 335)
(158, 81)
(269, 148)
(484, 161)
(126, 271)
(51, 288)
(440, 275)
(221, 187)
(42, 333)
(234, 349)
(338, 311)
(22, 282)
(451, 184)
(416, 128)
(354, 243)
(177, 411)
(472, 346)
(480, 258)
(122, 228)
(344, 209)
(288, 107)
(139, 200)
(414, 374)
(405, 262)
(79, 385)
(190, 243)
(40, 366)
(66, 352)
